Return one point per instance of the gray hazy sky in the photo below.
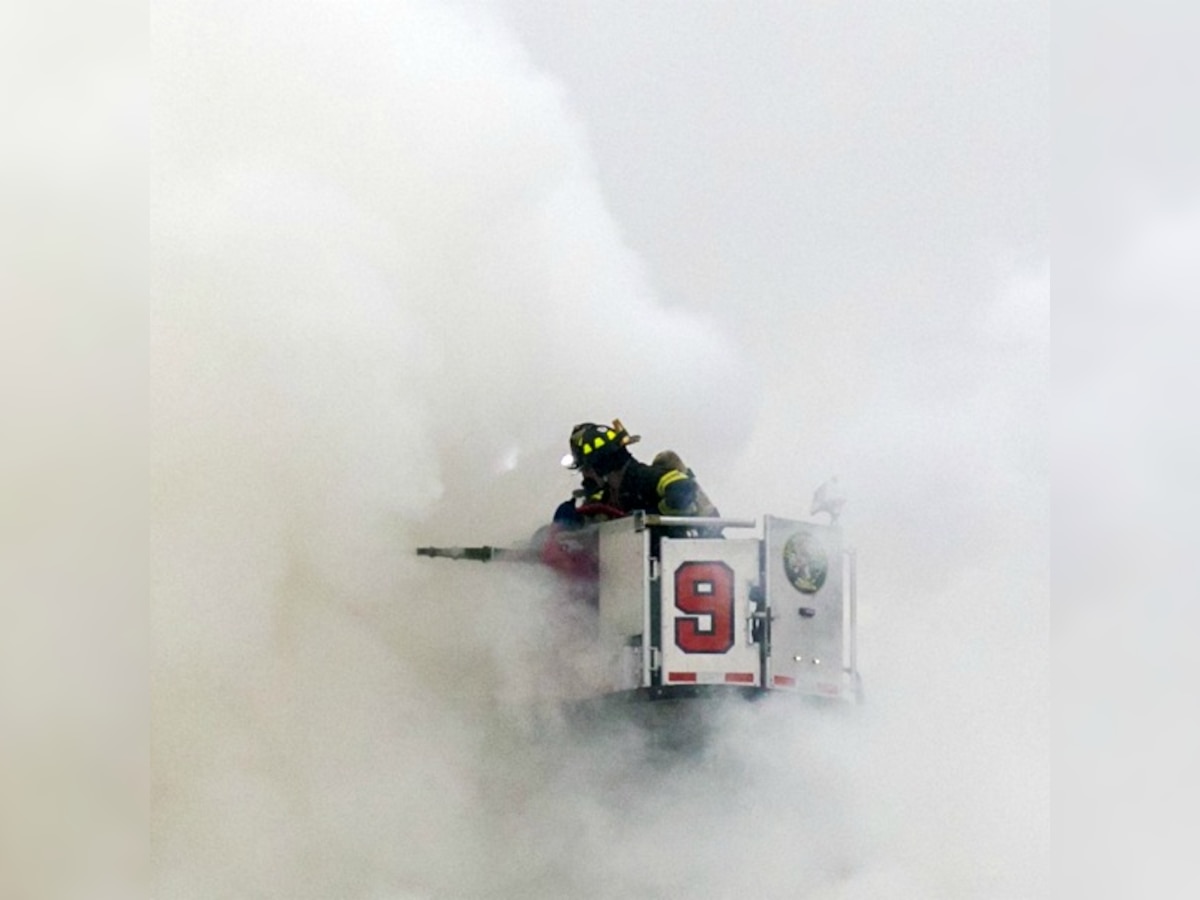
(767, 154)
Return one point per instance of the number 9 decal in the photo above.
(704, 589)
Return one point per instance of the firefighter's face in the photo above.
(612, 478)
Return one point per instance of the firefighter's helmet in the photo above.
(600, 448)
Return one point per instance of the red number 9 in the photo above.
(704, 589)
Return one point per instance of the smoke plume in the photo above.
(385, 285)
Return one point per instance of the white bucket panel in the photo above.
(803, 568)
(624, 593)
(705, 612)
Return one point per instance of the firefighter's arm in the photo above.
(677, 493)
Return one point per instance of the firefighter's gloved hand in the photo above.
(678, 496)
(591, 491)
(567, 515)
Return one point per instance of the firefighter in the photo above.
(704, 506)
(601, 454)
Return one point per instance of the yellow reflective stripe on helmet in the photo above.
(587, 448)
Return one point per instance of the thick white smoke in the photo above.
(385, 284)
(384, 287)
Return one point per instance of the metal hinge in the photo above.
(758, 622)
(756, 627)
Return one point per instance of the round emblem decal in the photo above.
(805, 562)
